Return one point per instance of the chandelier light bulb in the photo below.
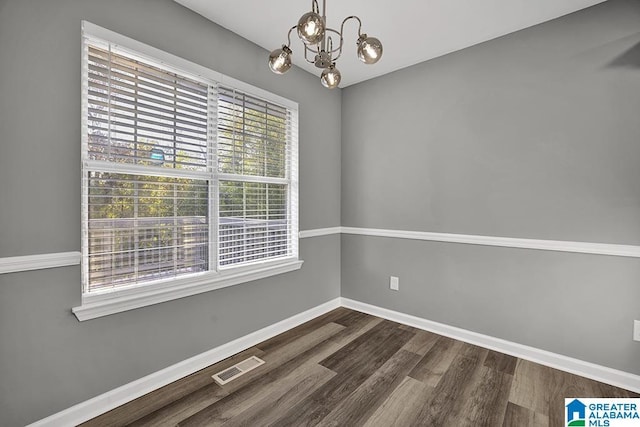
(369, 49)
(311, 28)
(280, 60)
(330, 77)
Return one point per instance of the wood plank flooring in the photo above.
(347, 368)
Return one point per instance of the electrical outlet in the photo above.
(394, 283)
(636, 330)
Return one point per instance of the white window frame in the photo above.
(119, 300)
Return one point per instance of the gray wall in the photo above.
(532, 135)
(50, 361)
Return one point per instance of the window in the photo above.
(189, 178)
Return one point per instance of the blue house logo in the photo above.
(576, 413)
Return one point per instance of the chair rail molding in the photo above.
(38, 262)
(316, 232)
(63, 259)
(611, 249)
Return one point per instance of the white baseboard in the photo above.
(600, 373)
(112, 399)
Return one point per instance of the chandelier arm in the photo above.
(346, 19)
(289, 35)
(307, 48)
(337, 49)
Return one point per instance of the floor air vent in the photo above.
(237, 370)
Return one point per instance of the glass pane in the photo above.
(145, 228)
(253, 222)
(252, 135)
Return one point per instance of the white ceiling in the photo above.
(411, 31)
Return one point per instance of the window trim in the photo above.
(141, 296)
(136, 296)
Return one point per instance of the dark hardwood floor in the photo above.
(347, 368)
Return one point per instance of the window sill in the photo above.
(94, 306)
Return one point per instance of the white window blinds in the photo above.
(181, 176)
(140, 114)
(254, 157)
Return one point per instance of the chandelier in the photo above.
(316, 38)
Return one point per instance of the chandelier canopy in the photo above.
(316, 38)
